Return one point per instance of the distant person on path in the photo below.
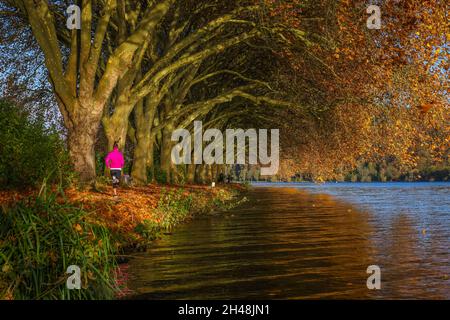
(115, 162)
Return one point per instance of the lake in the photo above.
(307, 241)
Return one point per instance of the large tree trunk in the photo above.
(116, 129)
(116, 124)
(139, 171)
(144, 113)
(81, 141)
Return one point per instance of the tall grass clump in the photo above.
(39, 238)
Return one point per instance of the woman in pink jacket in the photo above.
(114, 162)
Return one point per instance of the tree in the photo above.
(82, 88)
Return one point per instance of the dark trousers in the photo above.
(115, 175)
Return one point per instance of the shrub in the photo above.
(149, 230)
(161, 176)
(29, 152)
(100, 165)
(173, 208)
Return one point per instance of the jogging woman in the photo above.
(114, 162)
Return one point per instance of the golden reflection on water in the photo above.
(285, 244)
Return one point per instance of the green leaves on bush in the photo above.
(29, 152)
(174, 207)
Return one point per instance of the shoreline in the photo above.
(135, 205)
(99, 230)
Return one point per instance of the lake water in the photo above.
(308, 241)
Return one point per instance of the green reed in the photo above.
(39, 238)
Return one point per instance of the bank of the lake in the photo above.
(141, 214)
(42, 233)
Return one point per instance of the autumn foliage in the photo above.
(341, 93)
(383, 93)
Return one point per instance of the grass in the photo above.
(40, 238)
